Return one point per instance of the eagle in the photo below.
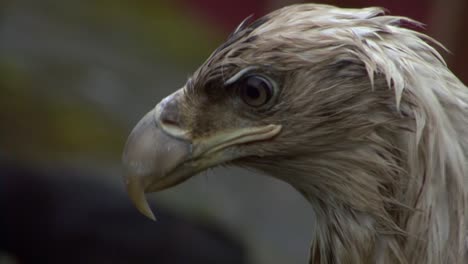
(354, 108)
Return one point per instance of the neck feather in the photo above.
(374, 203)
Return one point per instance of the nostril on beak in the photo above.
(169, 115)
(169, 118)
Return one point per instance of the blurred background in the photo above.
(76, 75)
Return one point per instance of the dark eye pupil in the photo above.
(252, 92)
(256, 90)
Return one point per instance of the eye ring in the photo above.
(255, 90)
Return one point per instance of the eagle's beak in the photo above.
(151, 153)
(160, 152)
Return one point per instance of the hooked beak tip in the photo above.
(149, 154)
(137, 195)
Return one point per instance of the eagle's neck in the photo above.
(350, 196)
(344, 235)
(382, 199)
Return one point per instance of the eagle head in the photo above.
(360, 115)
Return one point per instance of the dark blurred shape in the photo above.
(226, 14)
(64, 216)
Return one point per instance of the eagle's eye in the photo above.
(255, 90)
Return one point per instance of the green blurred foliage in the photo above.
(35, 126)
(157, 25)
(39, 125)
(164, 25)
